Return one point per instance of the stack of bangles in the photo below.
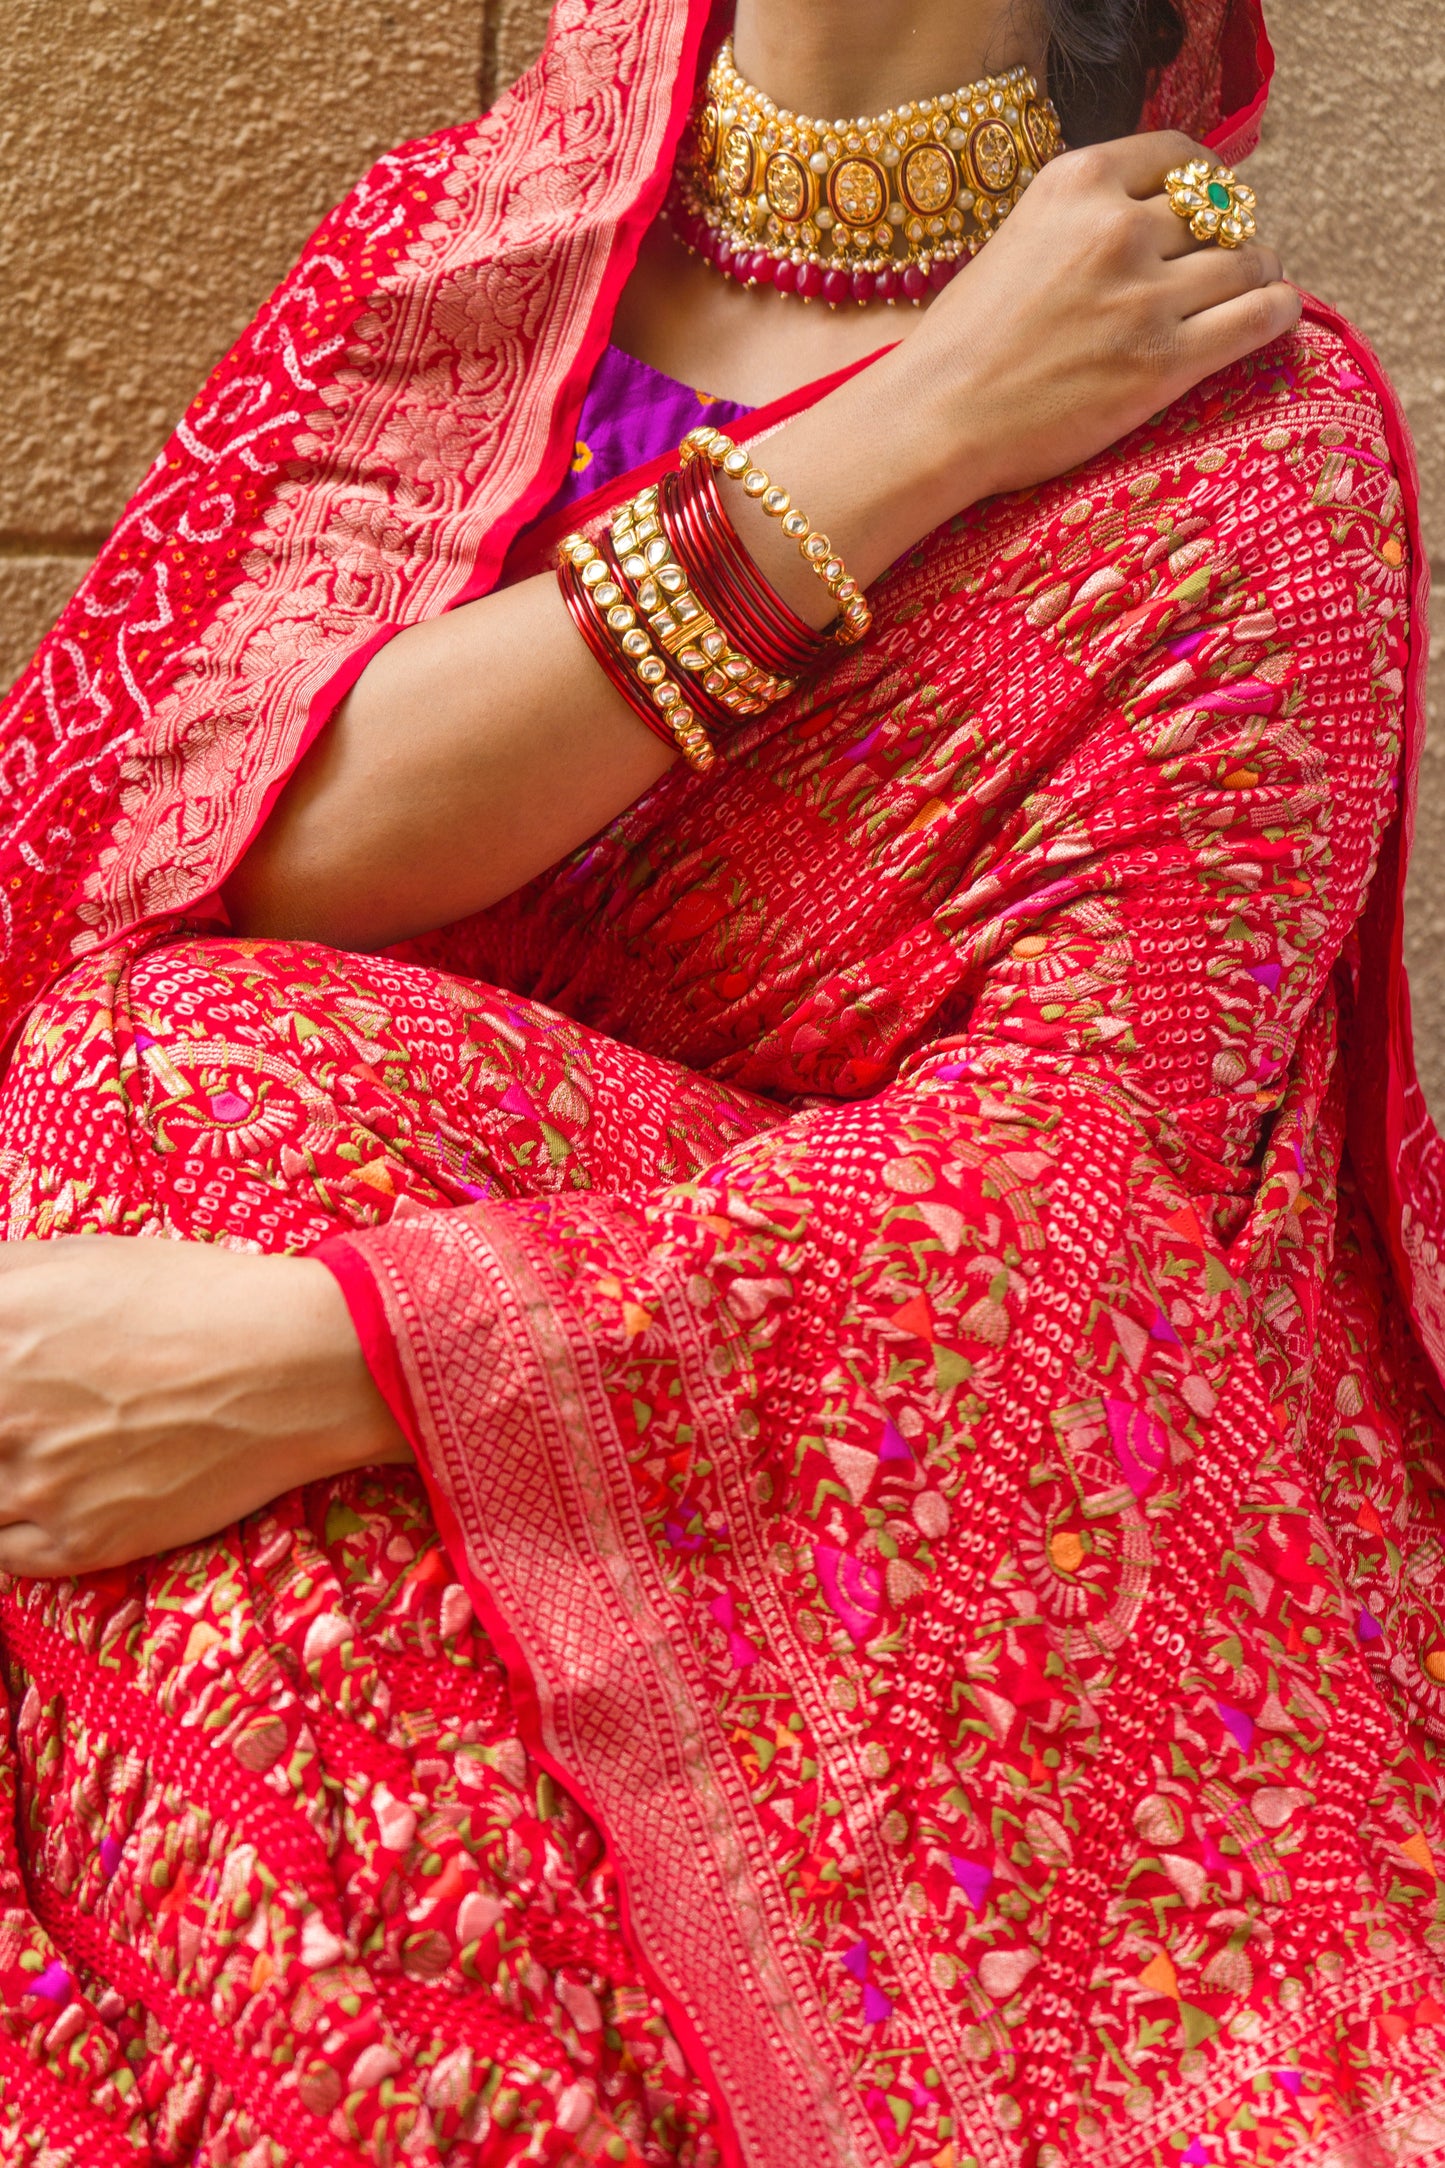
(676, 611)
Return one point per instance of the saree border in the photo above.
(549, 1547)
(532, 1490)
(1390, 1131)
(541, 270)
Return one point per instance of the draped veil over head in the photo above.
(1217, 88)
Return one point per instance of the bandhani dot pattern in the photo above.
(894, 1201)
(911, 1264)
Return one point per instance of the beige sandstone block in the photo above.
(515, 30)
(161, 163)
(1351, 177)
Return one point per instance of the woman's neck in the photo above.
(835, 59)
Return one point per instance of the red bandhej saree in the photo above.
(923, 1640)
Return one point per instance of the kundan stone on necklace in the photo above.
(882, 209)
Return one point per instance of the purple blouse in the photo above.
(632, 413)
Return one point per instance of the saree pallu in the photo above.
(913, 1309)
(1012, 1496)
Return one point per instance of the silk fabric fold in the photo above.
(935, 1539)
(899, 1304)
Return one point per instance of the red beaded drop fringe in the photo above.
(760, 267)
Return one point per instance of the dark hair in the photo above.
(1103, 55)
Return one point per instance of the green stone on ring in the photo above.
(1220, 196)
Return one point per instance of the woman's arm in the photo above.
(474, 751)
(156, 1391)
(478, 749)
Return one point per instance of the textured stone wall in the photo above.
(511, 41)
(162, 160)
(1352, 177)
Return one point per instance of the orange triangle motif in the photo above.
(1160, 1977)
(915, 1317)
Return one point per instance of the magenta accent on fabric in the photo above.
(632, 413)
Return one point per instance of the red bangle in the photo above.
(584, 617)
(855, 618)
(726, 601)
(715, 555)
(703, 555)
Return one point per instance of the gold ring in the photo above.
(1214, 203)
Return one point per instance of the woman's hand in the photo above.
(1091, 309)
(153, 1392)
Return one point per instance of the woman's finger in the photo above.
(1216, 275)
(1141, 162)
(1174, 234)
(30, 1552)
(1176, 239)
(1152, 224)
(1217, 338)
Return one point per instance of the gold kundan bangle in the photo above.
(609, 624)
(855, 617)
(681, 624)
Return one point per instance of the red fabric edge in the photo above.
(537, 551)
(519, 1680)
(491, 571)
(1377, 1130)
(323, 706)
(1238, 134)
(367, 1306)
(378, 1344)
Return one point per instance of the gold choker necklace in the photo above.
(860, 210)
